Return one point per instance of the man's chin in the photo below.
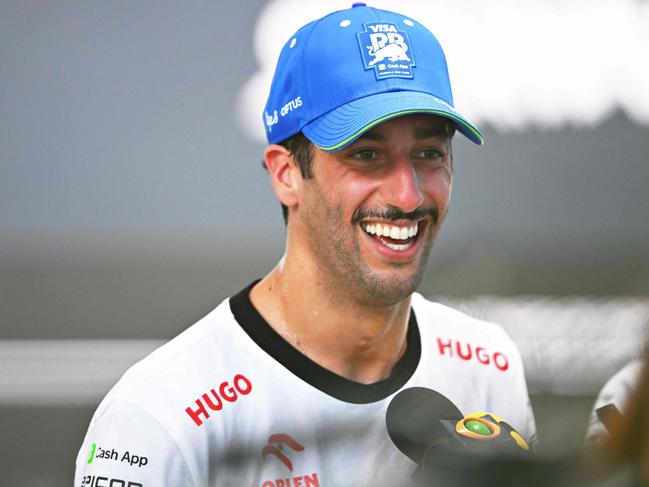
(391, 288)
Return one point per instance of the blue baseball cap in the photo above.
(341, 75)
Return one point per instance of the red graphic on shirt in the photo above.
(275, 446)
(217, 398)
(469, 352)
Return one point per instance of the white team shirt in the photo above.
(230, 403)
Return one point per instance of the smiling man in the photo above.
(359, 232)
(287, 382)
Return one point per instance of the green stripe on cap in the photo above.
(398, 114)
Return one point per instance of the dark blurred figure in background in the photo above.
(627, 449)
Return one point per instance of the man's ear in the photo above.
(284, 174)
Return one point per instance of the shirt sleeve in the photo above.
(125, 446)
(617, 391)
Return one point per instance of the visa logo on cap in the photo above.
(386, 50)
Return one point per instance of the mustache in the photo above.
(394, 213)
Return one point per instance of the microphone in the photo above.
(457, 450)
(413, 421)
(420, 420)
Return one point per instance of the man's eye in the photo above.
(430, 154)
(365, 155)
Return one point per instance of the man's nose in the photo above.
(402, 186)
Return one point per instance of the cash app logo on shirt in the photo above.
(92, 453)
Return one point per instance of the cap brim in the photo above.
(342, 126)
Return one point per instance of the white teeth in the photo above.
(398, 247)
(394, 232)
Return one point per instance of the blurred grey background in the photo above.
(132, 203)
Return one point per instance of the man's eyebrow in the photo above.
(373, 135)
(432, 131)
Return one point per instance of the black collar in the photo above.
(306, 369)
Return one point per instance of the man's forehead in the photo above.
(423, 126)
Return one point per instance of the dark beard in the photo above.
(379, 291)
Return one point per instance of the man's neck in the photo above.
(358, 341)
